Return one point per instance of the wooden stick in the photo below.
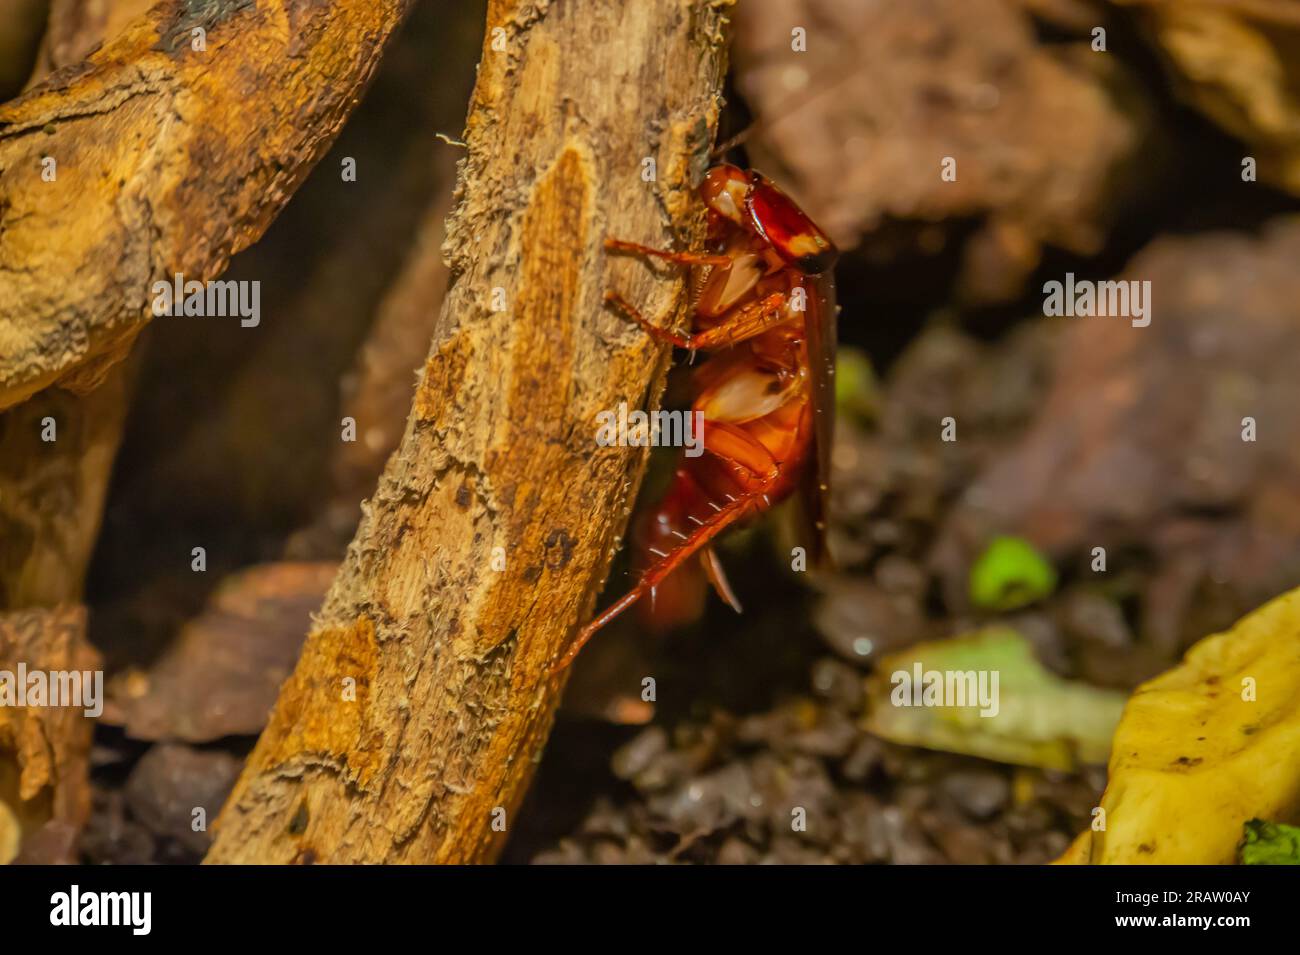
(420, 705)
(56, 448)
(168, 159)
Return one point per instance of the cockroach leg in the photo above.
(634, 313)
(742, 324)
(681, 258)
(711, 527)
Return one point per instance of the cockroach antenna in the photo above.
(727, 145)
(452, 142)
(791, 104)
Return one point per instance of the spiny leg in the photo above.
(708, 529)
(744, 323)
(680, 258)
(721, 517)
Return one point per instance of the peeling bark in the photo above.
(170, 160)
(421, 703)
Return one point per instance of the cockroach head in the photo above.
(725, 190)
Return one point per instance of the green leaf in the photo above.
(1270, 843)
(1010, 574)
(1028, 716)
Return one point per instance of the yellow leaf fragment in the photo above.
(1205, 747)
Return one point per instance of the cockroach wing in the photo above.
(787, 229)
(815, 483)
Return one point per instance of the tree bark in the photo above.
(52, 491)
(169, 160)
(421, 702)
(44, 747)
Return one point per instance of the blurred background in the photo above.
(1143, 140)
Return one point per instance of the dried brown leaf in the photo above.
(221, 676)
(862, 122)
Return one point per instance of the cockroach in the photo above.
(765, 309)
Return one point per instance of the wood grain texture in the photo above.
(169, 160)
(448, 705)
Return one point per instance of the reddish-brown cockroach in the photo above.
(767, 306)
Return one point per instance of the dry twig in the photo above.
(420, 704)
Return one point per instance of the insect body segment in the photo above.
(766, 311)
